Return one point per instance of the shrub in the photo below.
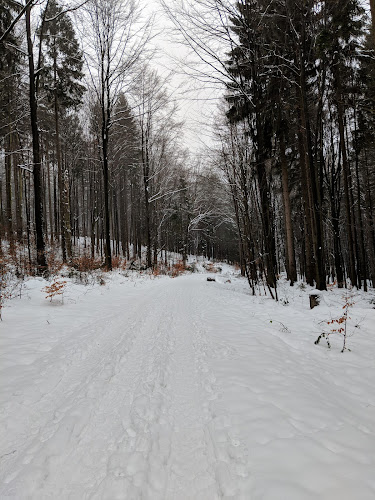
(86, 263)
(192, 267)
(177, 268)
(54, 262)
(210, 267)
(156, 271)
(56, 288)
(4, 292)
(118, 262)
(339, 326)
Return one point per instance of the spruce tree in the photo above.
(9, 81)
(60, 78)
(249, 97)
(339, 43)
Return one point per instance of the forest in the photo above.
(95, 170)
(187, 249)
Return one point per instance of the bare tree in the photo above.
(159, 133)
(115, 36)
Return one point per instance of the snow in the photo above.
(161, 388)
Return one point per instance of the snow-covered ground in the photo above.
(185, 389)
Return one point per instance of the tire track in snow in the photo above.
(82, 408)
(136, 469)
(190, 468)
(222, 438)
(133, 418)
(207, 459)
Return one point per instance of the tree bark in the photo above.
(108, 251)
(147, 197)
(372, 8)
(290, 253)
(8, 189)
(312, 181)
(38, 190)
(346, 175)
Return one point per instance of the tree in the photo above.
(249, 96)
(126, 153)
(339, 42)
(158, 134)
(61, 74)
(372, 8)
(9, 65)
(38, 189)
(115, 45)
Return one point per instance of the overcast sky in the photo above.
(197, 101)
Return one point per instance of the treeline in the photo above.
(92, 156)
(296, 141)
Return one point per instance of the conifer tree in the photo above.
(339, 43)
(250, 101)
(37, 165)
(9, 64)
(60, 78)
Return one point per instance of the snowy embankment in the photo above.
(184, 389)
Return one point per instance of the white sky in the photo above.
(197, 101)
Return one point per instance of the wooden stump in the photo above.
(314, 300)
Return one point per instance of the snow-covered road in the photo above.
(180, 389)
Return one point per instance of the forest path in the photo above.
(183, 389)
(121, 409)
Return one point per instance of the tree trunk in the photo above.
(312, 183)
(1, 219)
(307, 210)
(346, 175)
(291, 258)
(18, 198)
(8, 189)
(372, 7)
(38, 191)
(107, 251)
(147, 198)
